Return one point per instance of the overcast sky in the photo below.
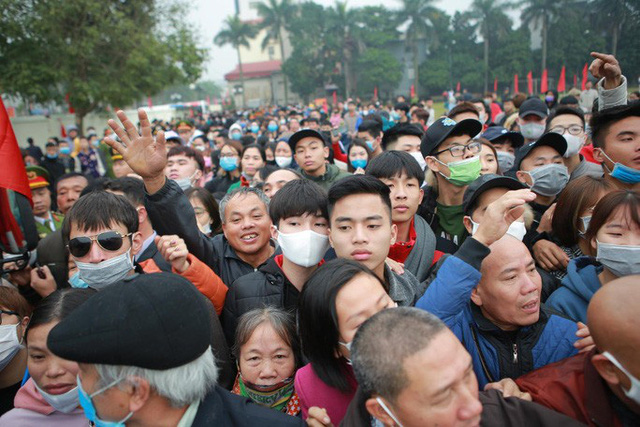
(208, 17)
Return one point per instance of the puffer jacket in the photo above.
(496, 354)
(578, 286)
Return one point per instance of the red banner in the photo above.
(413, 91)
(71, 110)
(585, 71)
(516, 89)
(335, 97)
(495, 84)
(458, 87)
(544, 84)
(561, 80)
(149, 102)
(530, 82)
(13, 174)
(375, 92)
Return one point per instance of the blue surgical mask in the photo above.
(90, 410)
(76, 282)
(622, 173)
(229, 163)
(272, 127)
(359, 163)
(236, 136)
(65, 150)
(370, 145)
(255, 129)
(52, 156)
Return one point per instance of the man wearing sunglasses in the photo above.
(101, 233)
(453, 158)
(245, 245)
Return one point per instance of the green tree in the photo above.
(343, 19)
(275, 17)
(613, 15)
(96, 53)
(377, 67)
(489, 14)
(416, 14)
(541, 13)
(237, 34)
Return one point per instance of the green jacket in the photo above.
(325, 181)
(44, 231)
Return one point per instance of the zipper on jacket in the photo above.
(515, 353)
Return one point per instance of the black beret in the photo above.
(152, 321)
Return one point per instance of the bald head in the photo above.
(612, 315)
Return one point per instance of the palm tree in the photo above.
(415, 14)
(345, 24)
(613, 15)
(488, 14)
(276, 15)
(542, 12)
(237, 34)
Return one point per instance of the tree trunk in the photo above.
(544, 42)
(284, 77)
(80, 114)
(244, 100)
(486, 58)
(415, 68)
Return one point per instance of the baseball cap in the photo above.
(534, 106)
(442, 128)
(550, 139)
(484, 183)
(496, 132)
(304, 133)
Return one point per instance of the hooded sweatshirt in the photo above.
(581, 282)
(32, 410)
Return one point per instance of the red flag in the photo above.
(458, 87)
(585, 71)
(530, 82)
(335, 97)
(149, 102)
(516, 89)
(495, 84)
(13, 174)
(561, 80)
(375, 92)
(209, 100)
(575, 80)
(413, 91)
(71, 110)
(544, 86)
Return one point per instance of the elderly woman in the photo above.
(267, 350)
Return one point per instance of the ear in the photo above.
(142, 214)
(330, 239)
(593, 244)
(326, 152)
(598, 155)
(394, 234)
(198, 175)
(475, 297)
(466, 220)
(140, 393)
(421, 196)
(23, 327)
(523, 177)
(605, 368)
(136, 242)
(375, 410)
(432, 164)
(274, 232)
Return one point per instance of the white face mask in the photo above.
(9, 344)
(107, 272)
(517, 229)
(621, 260)
(206, 229)
(634, 392)
(304, 248)
(532, 130)
(283, 162)
(186, 183)
(65, 402)
(388, 411)
(574, 145)
(418, 156)
(506, 160)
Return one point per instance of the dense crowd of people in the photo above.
(360, 264)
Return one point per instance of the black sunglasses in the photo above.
(109, 241)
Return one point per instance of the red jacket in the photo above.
(572, 387)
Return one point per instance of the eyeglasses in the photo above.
(8, 312)
(573, 129)
(458, 150)
(109, 241)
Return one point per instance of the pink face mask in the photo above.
(207, 162)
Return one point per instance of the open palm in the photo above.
(146, 155)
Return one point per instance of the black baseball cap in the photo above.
(494, 133)
(304, 133)
(484, 183)
(534, 106)
(550, 139)
(442, 128)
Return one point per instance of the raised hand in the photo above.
(500, 214)
(174, 251)
(606, 66)
(145, 155)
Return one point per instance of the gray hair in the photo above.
(384, 342)
(281, 321)
(242, 191)
(181, 386)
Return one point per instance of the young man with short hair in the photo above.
(301, 227)
(310, 153)
(362, 229)
(185, 166)
(453, 157)
(506, 144)
(532, 118)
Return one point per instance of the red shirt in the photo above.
(399, 251)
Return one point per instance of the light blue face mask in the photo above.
(90, 410)
(359, 163)
(236, 136)
(229, 163)
(272, 127)
(622, 173)
(370, 145)
(76, 282)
